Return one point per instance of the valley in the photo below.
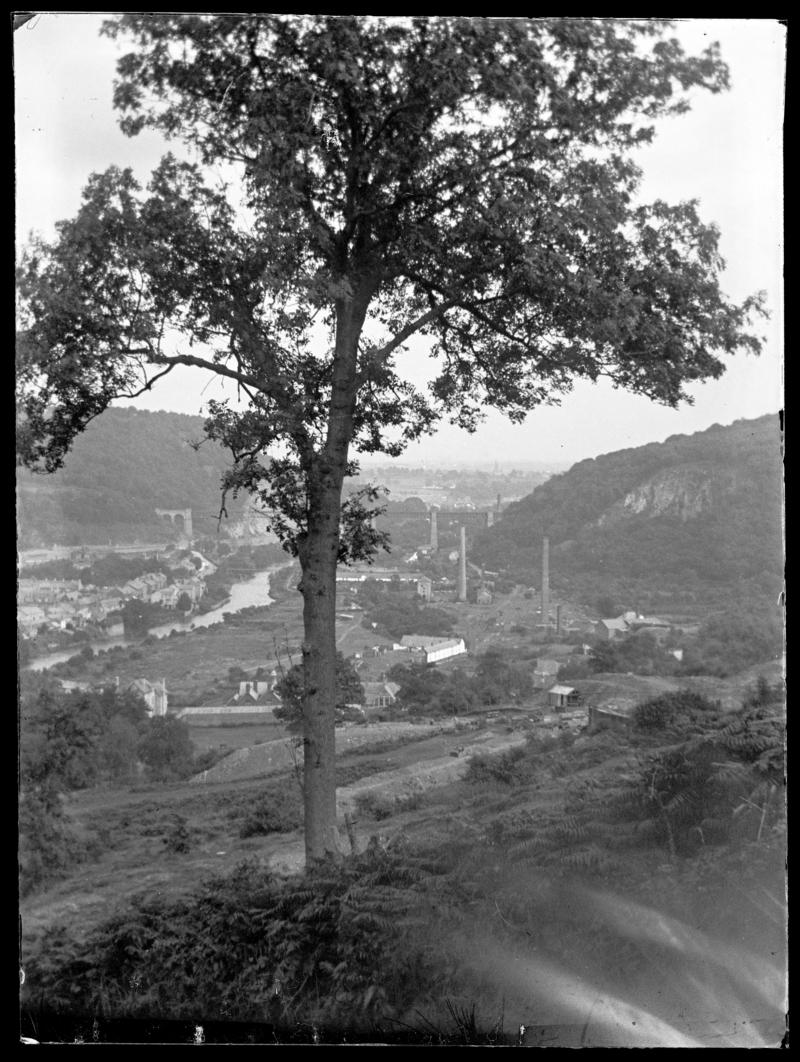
(572, 758)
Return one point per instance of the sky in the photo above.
(727, 153)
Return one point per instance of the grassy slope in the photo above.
(133, 824)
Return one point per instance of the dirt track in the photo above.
(280, 755)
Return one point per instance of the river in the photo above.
(250, 592)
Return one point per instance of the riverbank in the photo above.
(245, 595)
(198, 660)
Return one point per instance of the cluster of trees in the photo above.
(431, 691)
(640, 653)
(72, 741)
(731, 641)
(397, 611)
(724, 644)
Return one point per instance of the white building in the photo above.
(435, 649)
(153, 694)
(444, 649)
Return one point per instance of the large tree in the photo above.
(464, 180)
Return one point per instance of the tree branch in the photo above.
(148, 383)
(412, 327)
(202, 363)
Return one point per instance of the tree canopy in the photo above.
(466, 180)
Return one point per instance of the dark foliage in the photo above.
(277, 810)
(166, 749)
(291, 689)
(429, 690)
(397, 611)
(667, 710)
(331, 947)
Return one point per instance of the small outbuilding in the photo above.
(563, 697)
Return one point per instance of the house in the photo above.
(563, 697)
(424, 587)
(609, 629)
(153, 694)
(380, 694)
(167, 596)
(193, 588)
(254, 693)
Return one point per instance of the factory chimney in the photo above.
(546, 583)
(434, 530)
(462, 566)
(558, 619)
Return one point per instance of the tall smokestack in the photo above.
(558, 619)
(462, 567)
(434, 530)
(546, 583)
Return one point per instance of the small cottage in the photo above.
(563, 697)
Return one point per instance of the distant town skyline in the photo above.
(726, 153)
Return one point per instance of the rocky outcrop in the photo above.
(684, 491)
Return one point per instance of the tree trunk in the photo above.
(318, 586)
(319, 553)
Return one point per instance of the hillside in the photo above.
(125, 465)
(694, 515)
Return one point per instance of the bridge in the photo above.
(433, 515)
(176, 515)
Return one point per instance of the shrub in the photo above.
(178, 838)
(276, 811)
(49, 845)
(378, 805)
(660, 712)
(504, 767)
(332, 946)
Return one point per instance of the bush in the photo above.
(331, 946)
(504, 767)
(378, 805)
(178, 838)
(276, 811)
(657, 713)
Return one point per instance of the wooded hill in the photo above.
(127, 464)
(696, 515)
